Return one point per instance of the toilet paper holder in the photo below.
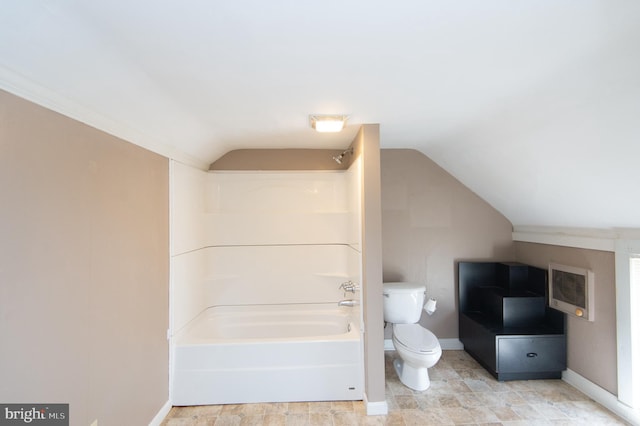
(430, 306)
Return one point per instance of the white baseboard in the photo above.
(601, 396)
(157, 420)
(445, 344)
(378, 408)
(451, 344)
(388, 345)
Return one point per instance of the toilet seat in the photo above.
(415, 338)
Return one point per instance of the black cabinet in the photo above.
(505, 324)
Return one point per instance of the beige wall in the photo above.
(281, 159)
(591, 346)
(430, 221)
(83, 268)
(367, 144)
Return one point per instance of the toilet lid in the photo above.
(415, 337)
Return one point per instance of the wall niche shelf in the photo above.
(505, 323)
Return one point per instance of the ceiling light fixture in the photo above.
(328, 123)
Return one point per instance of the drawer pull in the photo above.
(532, 355)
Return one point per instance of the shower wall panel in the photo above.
(278, 237)
(187, 208)
(261, 237)
(188, 240)
(278, 274)
(266, 208)
(189, 272)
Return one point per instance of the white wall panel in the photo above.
(187, 208)
(261, 208)
(258, 192)
(277, 274)
(353, 229)
(262, 238)
(188, 261)
(188, 273)
(250, 228)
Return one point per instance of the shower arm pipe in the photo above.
(338, 158)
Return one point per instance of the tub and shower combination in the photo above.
(268, 353)
(257, 261)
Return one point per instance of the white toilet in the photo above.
(417, 347)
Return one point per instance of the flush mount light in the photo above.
(328, 123)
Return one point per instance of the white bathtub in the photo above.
(268, 353)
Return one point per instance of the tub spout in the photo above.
(348, 302)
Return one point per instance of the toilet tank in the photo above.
(402, 302)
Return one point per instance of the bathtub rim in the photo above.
(181, 337)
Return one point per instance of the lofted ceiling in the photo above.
(534, 105)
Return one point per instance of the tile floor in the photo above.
(461, 393)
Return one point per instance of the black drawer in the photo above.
(518, 354)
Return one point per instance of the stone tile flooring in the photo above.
(461, 393)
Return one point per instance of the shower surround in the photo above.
(263, 239)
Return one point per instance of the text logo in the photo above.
(34, 414)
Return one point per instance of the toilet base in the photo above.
(412, 377)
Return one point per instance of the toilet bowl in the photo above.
(418, 349)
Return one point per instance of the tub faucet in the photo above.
(348, 302)
(349, 286)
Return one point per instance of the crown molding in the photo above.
(587, 238)
(22, 87)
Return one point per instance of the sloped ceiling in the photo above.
(534, 105)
